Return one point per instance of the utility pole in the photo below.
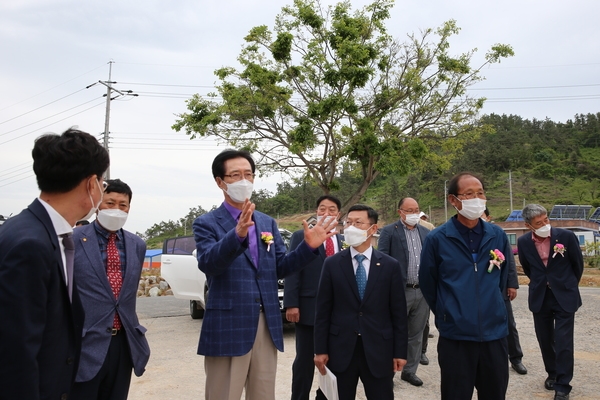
(510, 186)
(446, 200)
(107, 114)
(109, 89)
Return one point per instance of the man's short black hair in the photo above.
(118, 186)
(453, 185)
(329, 197)
(372, 214)
(61, 162)
(218, 165)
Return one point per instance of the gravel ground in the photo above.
(176, 372)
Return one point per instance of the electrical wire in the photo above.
(45, 126)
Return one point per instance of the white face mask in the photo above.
(472, 208)
(411, 219)
(94, 208)
(544, 231)
(355, 237)
(112, 219)
(240, 191)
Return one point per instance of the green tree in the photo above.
(330, 89)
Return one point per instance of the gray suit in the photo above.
(100, 304)
(392, 241)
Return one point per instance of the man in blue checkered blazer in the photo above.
(242, 254)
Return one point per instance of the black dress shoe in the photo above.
(520, 368)
(411, 378)
(549, 382)
(561, 396)
(424, 360)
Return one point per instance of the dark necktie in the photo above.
(113, 272)
(361, 275)
(67, 240)
(329, 249)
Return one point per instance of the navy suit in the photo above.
(380, 318)
(236, 287)
(301, 291)
(100, 303)
(554, 298)
(392, 242)
(40, 334)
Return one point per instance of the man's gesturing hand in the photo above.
(245, 220)
(322, 230)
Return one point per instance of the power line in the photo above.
(35, 109)
(45, 126)
(51, 116)
(52, 88)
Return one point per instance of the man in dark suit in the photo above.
(360, 326)
(40, 310)
(300, 298)
(242, 254)
(108, 265)
(403, 240)
(552, 260)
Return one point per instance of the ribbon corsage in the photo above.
(496, 258)
(559, 249)
(267, 237)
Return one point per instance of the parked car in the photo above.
(179, 267)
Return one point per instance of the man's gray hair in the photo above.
(530, 211)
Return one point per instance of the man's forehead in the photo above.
(358, 214)
(469, 181)
(116, 196)
(238, 163)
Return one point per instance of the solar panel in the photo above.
(570, 212)
(516, 215)
(595, 217)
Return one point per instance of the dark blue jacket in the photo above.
(467, 301)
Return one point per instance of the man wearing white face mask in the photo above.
(463, 276)
(552, 259)
(40, 309)
(360, 326)
(403, 240)
(108, 264)
(243, 255)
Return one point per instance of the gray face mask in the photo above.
(240, 191)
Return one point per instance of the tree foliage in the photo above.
(329, 89)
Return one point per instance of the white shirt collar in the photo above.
(60, 224)
(367, 253)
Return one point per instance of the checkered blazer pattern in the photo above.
(236, 288)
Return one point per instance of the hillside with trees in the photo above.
(551, 163)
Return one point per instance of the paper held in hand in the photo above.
(328, 385)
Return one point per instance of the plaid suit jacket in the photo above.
(236, 287)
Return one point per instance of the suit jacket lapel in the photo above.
(402, 237)
(40, 212)
(348, 271)
(89, 244)
(374, 273)
(130, 260)
(530, 244)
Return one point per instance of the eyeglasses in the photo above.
(416, 211)
(472, 195)
(355, 223)
(237, 176)
(104, 185)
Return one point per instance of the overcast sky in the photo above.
(167, 51)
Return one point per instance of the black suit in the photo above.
(40, 334)
(554, 298)
(300, 291)
(361, 337)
